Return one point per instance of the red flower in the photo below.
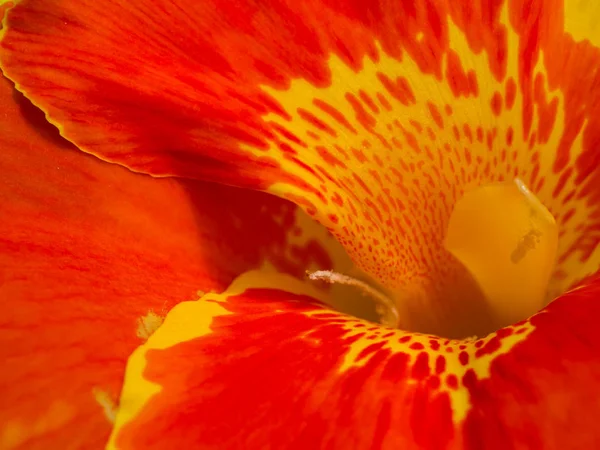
(375, 118)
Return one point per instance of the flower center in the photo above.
(384, 305)
(505, 240)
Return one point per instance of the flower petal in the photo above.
(374, 117)
(91, 258)
(227, 372)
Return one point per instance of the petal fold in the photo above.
(92, 256)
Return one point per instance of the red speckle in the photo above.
(469, 378)
(386, 105)
(362, 184)
(452, 381)
(479, 133)
(504, 332)
(337, 199)
(435, 115)
(328, 158)
(316, 122)
(335, 114)
(368, 101)
(400, 89)
(490, 139)
(568, 215)
(496, 103)
(463, 358)
(288, 134)
(490, 347)
(313, 135)
(440, 364)
(509, 136)
(457, 78)
(467, 132)
(373, 348)
(510, 93)
(362, 116)
(335, 219)
(421, 367)
(456, 132)
(416, 125)
(286, 148)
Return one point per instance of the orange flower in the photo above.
(398, 125)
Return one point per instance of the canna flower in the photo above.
(170, 171)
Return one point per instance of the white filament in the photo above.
(383, 305)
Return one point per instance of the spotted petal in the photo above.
(263, 365)
(375, 117)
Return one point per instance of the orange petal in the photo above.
(92, 256)
(375, 117)
(227, 372)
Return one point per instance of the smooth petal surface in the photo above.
(91, 258)
(375, 117)
(226, 372)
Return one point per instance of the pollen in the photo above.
(148, 324)
(507, 240)
(108, 404)
(385, 307)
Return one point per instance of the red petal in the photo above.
(264, 366)
(374, 116)
(544, 393)
(87, 249)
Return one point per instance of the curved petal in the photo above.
(375, 117)
(226, 372)
(93, 255)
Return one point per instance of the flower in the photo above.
(375, 118)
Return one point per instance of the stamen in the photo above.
(147, 325)
(508, 240)
(109, 406)
(384, 306)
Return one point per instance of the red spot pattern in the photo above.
(307, 394)
(496, 104)
(210, 117)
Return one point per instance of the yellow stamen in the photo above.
(507, 239)
(384, 306)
